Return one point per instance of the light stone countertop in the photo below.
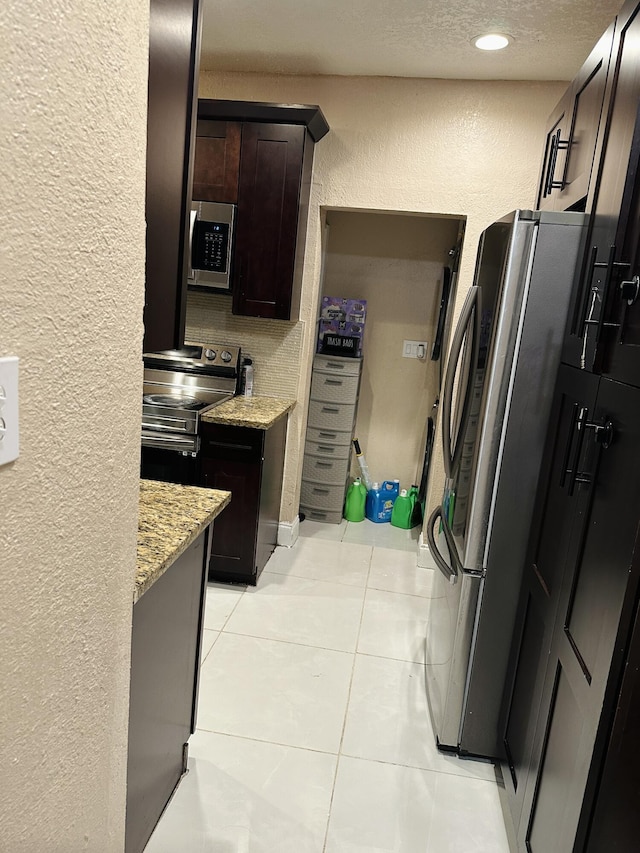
(170, 518)
(253, 412)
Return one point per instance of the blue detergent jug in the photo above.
(380, 500)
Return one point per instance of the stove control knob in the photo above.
(226, 356)
(210, 354)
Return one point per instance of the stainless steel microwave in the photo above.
(210, 243)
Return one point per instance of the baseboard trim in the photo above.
(425, 560)
(288, 532)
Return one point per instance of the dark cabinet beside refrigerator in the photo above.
(249, 463)
(270, 147)
(572, 134)
(604, 333)
(576, 579)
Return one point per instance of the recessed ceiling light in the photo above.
(492, 41)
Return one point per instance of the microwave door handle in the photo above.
(193, 216)
(450, 375)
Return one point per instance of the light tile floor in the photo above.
(313, 728)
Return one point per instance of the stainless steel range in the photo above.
(179, 386)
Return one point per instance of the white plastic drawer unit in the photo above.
(322, 496)
(332, 451)
(331, 416)
(321, 469)
(326, 437)
(337, 365)
(325, 515)
(333, 388)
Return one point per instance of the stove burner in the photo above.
(172, 401)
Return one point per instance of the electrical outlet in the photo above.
(414, 349)
(9, 444)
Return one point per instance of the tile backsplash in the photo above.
(274, 345)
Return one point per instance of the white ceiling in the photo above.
(402, 38)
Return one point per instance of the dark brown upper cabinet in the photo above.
(604, 335)
(260, 156)
(174, 50)
(217, 161)
(572, 134)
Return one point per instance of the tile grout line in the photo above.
(346, 710)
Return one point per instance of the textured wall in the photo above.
(465, 148)
(72, 176)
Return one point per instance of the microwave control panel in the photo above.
(211, 246)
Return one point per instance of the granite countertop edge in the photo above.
(254, 412)
(170, 518)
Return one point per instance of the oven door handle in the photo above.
(171, 442)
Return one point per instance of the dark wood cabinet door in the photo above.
(557, 134)
(559, 514)
(217, 161)
(173, 70)
(269, 204)
(233, 549)
(572, 134)
(614, 825)
(586, 626)
(604, 330)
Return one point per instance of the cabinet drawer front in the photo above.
(323, 470)
(319, 496)
(241, 444)
(327, 437)
(335, 364)
(332, 388)
(325, 515)
(337, 416)
(327, 451)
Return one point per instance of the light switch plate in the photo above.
(414, 349)
(9, 432)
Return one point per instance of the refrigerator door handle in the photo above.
(450, 572)
(472, 301)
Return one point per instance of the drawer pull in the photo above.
(326, 448)
(318, 491)
(336, 365)
(324, 464)
(333, 382)
(331, 409)
(328, 434)
(227, 445)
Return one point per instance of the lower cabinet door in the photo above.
(584, 657)
(233, 551)
(558, 517)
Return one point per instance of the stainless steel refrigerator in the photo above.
(496, 399)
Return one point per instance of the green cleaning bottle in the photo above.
(355, 501)
(402, 510)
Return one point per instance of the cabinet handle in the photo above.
(611, 266)
(629, 292)
(320, 464)
(328, 434)
(326, 448)
(333, 382)
(557, 144)
(332, 409)
(317, 491)
(229, 446)
(577, 421)
(336, 365)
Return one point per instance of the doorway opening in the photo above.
(403, 267)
